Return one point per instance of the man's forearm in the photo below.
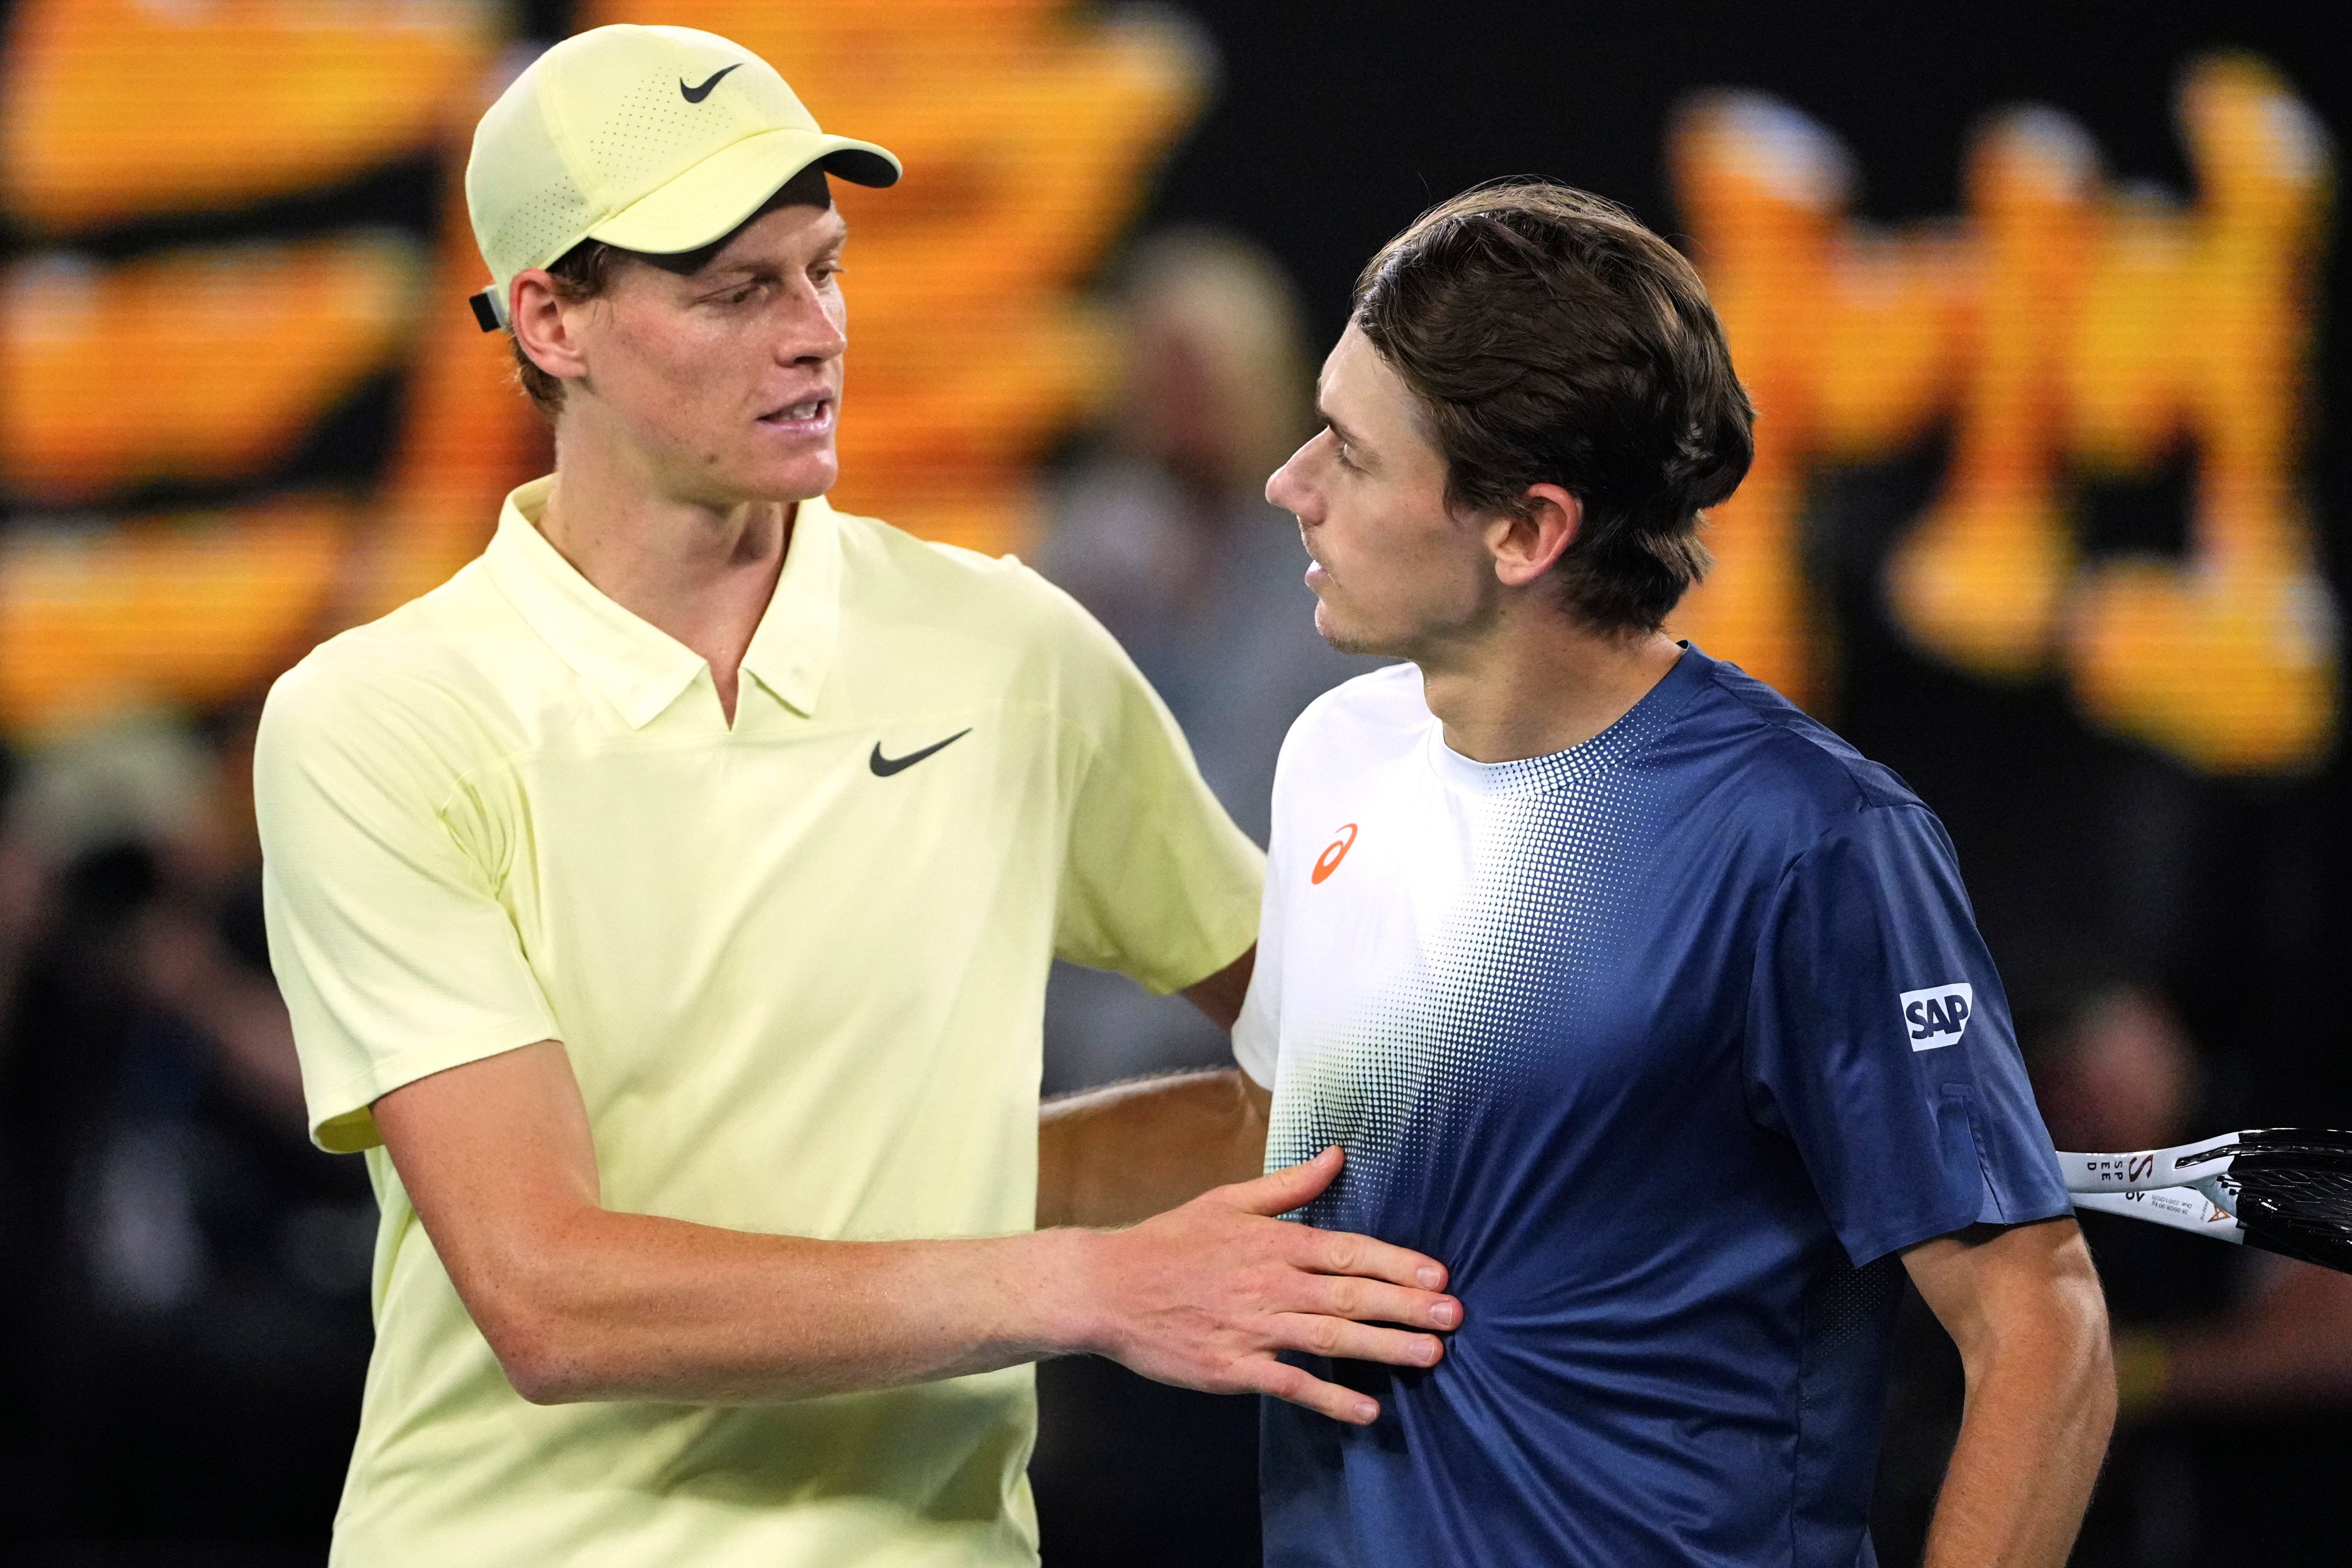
(1116, 1155)
(582, 1302)
(628, 1306)
(2030, 1449)
(747, 1318)
(596, 1306)
(2041, 1405)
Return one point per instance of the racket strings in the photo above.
(2298, 1194)
(2301, 1151)
(2304, 1147)
(2304, 1209)
(2300, 1178)
(2292, 1186)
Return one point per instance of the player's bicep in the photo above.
(1988, 1283)
(496, 1156)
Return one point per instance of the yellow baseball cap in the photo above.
(652, 139)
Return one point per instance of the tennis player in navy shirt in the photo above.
(1635, 996)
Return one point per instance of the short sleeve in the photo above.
(1257, 1033)
(1879, 1041)
(1156, 883)
(395, 957)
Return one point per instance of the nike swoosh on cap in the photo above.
(885, 766)
(697, 94)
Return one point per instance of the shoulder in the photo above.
(1779, 758)
(947, 587)
(427, 680)
(1740, 764)
(1386, 702)
(1358, 723)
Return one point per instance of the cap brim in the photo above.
(710, 199)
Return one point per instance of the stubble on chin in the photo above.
(1343, 638)
(1346, 644)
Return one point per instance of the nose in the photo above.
(1286, 489)
(814, 333)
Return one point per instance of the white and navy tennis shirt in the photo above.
(1666, 1044)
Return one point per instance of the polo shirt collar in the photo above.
(637, 667)
(791, 648)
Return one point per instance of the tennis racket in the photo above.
(2284, 1189)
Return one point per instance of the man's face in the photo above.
(726, 380)
(1395, 571)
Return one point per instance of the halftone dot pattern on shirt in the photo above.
(1465, 1019)
(1611, 1035)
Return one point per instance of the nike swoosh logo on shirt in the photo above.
(885, 766)
(697, 94)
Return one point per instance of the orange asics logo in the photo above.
(1335, 851)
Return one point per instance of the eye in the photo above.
(1339, 449)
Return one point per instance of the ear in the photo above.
(543, 325)
(1526, 546)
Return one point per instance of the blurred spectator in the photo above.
(187, 1363)
(2121, 1074)
(1161, 528)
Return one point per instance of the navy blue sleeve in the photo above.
(1879, 1042)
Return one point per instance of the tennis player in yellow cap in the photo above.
(664, 905)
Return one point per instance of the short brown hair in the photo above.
(583, 272)
(1551, 338)
(588, 268)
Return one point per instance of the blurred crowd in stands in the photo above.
(184, 1324)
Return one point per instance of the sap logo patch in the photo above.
(1939, 1015)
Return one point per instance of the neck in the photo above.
(701, 571)
(1537, 682)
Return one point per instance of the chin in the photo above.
(796, 479)
(1335, 630)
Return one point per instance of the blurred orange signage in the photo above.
(2064, 331)
(1027, 132)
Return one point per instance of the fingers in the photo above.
(1343, 1252)
(1279, 1192)
(1340, 1339)
(1372, 1302)
(1331, 1251)
(1302, 1388)
(1344, 1341)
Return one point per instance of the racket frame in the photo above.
(2192, 1187)
(2175, 1208)
(2150, 1170)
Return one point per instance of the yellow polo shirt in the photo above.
(798, 964)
